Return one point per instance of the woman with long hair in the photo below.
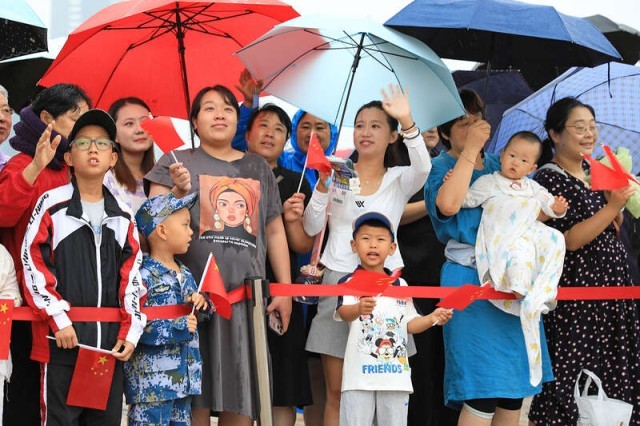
(382, 188)
(135, 152)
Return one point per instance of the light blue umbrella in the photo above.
(615, 102)
(330, 66)
(21, 30)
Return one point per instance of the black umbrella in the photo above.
(504, 90)
(624, 38)
(20, 76)
(21, 30)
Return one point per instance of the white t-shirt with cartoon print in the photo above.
(376, 355)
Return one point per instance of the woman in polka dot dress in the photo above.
(602, 336)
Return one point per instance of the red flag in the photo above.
(212, 283)
(163, 133)
(466, 294)
(6, 317)
(91, 381)
(369, 283)
(315, 156)
(616, 163)
(604, 178)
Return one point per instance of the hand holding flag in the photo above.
(604, 178)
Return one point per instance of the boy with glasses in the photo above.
(81, 248)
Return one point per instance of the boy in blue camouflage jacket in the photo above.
(165, 369)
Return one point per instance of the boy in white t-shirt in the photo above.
(376, 377)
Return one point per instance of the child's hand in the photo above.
(192, 323)
(441, 316)
(367, 304)
(560, 205)
(66, 338)
(294, 208)
(122, 350)
(181, 178)
(447, 176)
(198, 300)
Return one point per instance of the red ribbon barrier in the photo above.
(83, 314)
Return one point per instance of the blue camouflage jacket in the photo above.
(166, 363)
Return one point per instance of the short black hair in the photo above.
(223, 91)
(529, 137)
(472, 103)
(273, 109)
(60, 98)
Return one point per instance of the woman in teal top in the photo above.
(486, 366)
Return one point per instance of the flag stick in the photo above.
(206, 267)
(303, 170)
(175, 160)
(91, 348)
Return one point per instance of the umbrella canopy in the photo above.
(21, 30)
(503, 33)
(20, 75)
(625, 39)
(162, 51)
(330, 66)
(505, 89)
(615, 103)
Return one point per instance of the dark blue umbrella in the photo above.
(504, 90)
(21, 30)
(504, 33)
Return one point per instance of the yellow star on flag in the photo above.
(4, 308)
(102, 360)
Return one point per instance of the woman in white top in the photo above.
(135, 152)
(382, 188)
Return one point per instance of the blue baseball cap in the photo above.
(156, 209)
(372, 216)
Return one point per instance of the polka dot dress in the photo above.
(602, 336)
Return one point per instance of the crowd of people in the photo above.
(89, 218)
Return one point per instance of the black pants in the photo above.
(58, 413)
(22, 395)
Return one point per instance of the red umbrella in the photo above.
(162, 51)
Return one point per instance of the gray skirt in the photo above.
(328, 336)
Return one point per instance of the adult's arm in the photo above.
(278, 253)
(454, 190)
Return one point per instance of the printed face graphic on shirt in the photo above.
(229, 210)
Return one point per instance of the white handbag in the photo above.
(598, 410)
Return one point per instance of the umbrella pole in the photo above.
(354, 66)
(183, 67)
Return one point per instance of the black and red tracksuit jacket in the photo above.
(68, 264)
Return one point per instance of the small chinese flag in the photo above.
(604, 178)
(91, 381)
(468, 293)
(163, 133)
(6, 317)
(212, 283)
(315, 156)
(369, 283)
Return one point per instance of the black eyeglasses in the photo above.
(84, 144)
